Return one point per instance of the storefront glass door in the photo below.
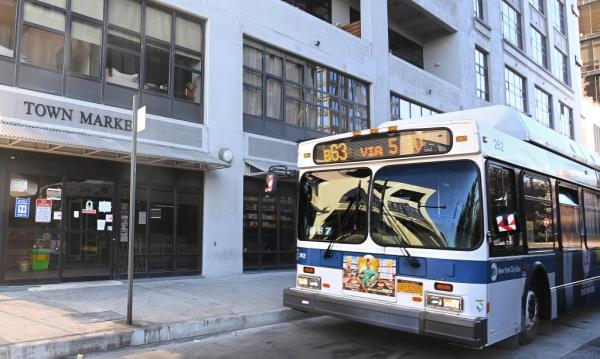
(269, 239)
(87, 247)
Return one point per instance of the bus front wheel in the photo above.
(530, 315)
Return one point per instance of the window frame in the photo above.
(15, 43)
(485, 76)
(559, 17)
(478, 10)
(506, 24)
(538, 5)
(561, 66)
(580, 217)
(562, 115)
(147, 41)
(394, 96)
(523, 199)
(174, 65)
(94, 22)
(594, 192)
(518, 248)
(539, 52)
(22, 23)
(507, 85)
(317, 92)
(549, 109)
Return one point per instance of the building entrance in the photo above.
(89, 235)
(66, 219)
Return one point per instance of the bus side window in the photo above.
(591, 203)
(503, 209)
(538, 212)
(568, 210)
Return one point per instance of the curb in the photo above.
(149, 334)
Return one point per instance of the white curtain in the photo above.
(87, 33)
(274, 98)
(126, 14)
(91, 8)
(158, 24)
(253, 58)
(60, 3)
(188, 34)
(45, 17)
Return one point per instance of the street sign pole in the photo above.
(132, 212)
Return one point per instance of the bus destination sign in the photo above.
(384, 145)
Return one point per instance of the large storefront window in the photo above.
(269, 239)
(68, 218)
(33, 240)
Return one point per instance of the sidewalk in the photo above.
(66, 319)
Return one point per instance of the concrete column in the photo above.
(374, 29)
(223, 189)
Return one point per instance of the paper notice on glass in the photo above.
(57, 215)
(75, 214)
(43, 210)
(105, 206)
(109, 228)
(109, 218)
(101, 224)
(142, 218)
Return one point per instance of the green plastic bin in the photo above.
(40, 259)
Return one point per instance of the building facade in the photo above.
(589, 35)
(253, 77)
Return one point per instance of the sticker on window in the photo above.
(506, 223)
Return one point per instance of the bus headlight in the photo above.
(309, 282)
(452, 303)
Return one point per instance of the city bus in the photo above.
(474, 226)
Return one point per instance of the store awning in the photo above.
(260, 167)
(41, 139)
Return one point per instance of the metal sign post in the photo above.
(138, 115)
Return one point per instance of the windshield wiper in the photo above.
(412, 261)
(355, 202)
(436, 207)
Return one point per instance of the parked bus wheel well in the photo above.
(539, 282)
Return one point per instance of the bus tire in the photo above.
(530, 314)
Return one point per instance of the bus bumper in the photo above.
(471, 332)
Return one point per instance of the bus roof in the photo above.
(516, 124)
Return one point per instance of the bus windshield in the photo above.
(333, 205)
(432, 205)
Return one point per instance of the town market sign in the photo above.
(69, 115)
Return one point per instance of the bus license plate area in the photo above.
(409, 287)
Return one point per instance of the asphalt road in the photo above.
(574, 337)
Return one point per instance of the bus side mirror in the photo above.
(271, 183)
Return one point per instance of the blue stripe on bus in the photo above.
(451, 270)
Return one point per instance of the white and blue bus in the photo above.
(471, 226)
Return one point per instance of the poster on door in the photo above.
(43, 210)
